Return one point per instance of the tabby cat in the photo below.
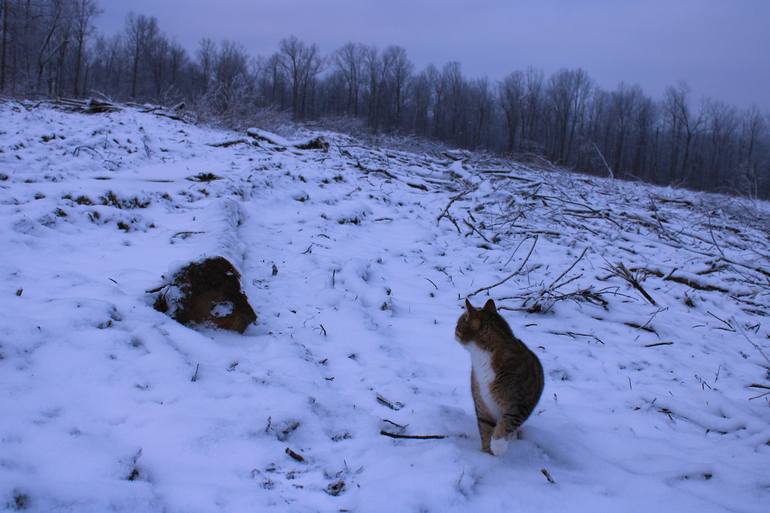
(506, 377)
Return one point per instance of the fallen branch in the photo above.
(412, 437)
(295, 456)
(632, 279)
(367, 171)
(551, 286)
(392, 405)
(547, 475)
(604, 161)
(195, 374)
(573, 334)
(227, 144)
(474, 229)
(445, 212)
(756, 346)
(659, 344)
(682, 280)
(729, 327)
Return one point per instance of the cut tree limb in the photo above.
(412, 437)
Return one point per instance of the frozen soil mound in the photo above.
(207, 293)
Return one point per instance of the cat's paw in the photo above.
(498, 446)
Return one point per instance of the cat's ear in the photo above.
(489, 306)
(469, 307)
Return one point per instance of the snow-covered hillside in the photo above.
(648, 308)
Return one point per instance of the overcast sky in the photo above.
(720, 47)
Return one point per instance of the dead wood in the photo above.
(227, 144)
(680, 279)
(412, 437)
(316, 143)
(547, 475)
(295, 456)
(631, 278)
(574, 334)
(390, 404)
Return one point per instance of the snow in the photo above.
(100, 411)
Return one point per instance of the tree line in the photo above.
(51, 48)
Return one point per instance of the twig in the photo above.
(547, 475)
(756, 346)
(730, 327)
(395, 406)
(514, 252)
(399, 426)
(473, 228)
(609, 169)
(550, 287)
(445, 212)
(156, 289)
(514, 273)
(195, 374)
(412, 437)
(659, 344)
(621, 271)
(659, 310)
(295, 456)
(573, 334)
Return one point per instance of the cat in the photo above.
(506, 376)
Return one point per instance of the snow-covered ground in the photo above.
(647, 407)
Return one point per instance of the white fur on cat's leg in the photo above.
(498, 446)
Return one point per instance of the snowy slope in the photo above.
(646, 406)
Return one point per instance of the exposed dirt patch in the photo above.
(207, 293)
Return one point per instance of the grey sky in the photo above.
(720, 47)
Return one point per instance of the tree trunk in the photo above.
(135, 71)
(78, 59)
(4, 44)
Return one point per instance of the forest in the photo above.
(52, 48)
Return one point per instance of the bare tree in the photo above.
(534, 102)
(302, 63)
(139, 31)
(51, 44)
(683, 120)
(374, 66)
(85, 12)
(348, 61)
(568, 91)
(398, 70)
(512, 93)
(4, 43)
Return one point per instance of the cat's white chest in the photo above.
(485, 375)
